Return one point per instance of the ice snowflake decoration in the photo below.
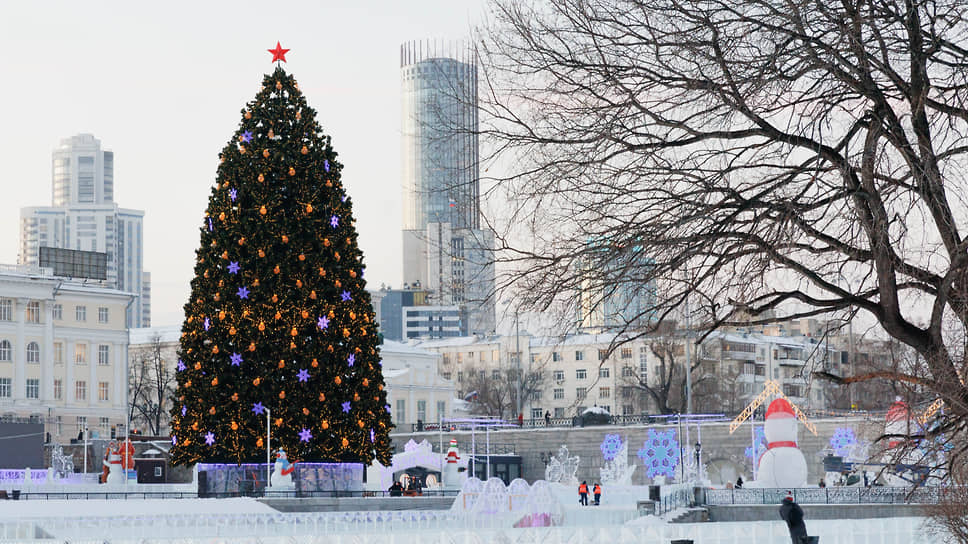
(843, 441)
(660, 453)
(759, 444)
(610, 446)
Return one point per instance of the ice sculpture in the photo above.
(542, 508)
(518, 494)
(63, 465)
(562, 468)
(470, 492)
(617, 470)
(493, 498)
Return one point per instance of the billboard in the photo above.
(75, 264)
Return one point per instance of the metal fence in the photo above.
(575, 421)
(826, 495)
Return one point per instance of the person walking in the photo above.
(597, 491)
(583, 494)
(739, 483)
(792, 514)
(521, 420)
(547, 418)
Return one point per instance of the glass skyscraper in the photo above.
(84, 216)
(445, 250)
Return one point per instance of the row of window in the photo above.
(32, 312)
(538, 412)
(556, 356)
(33, 389)
(33, 353)
(421, 411)
(104, 425)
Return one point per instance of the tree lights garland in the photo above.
(279, 318)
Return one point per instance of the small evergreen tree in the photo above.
(278, 317)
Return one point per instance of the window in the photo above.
(80, 354)
(33, 388)
(33, 312)
(33, 352)
(102, 391)
(5, 350)
(5, 388)
(537, 413)
(579, 355)
(559, 412)
(555, 356)
(602, 354)
(102, 315)
(559, 393)
(460, 377)
(103, 355)
(81, 423)
(401, 411)
(60, 424)
(559, 375)
(514, 357)
(6, 310)
(495, 374)
(536, 395)
(581, 374)
(606, 407)
(626, 353)
(627, 392)
(421, 410)
(57, 312)
(441, 409)
(80, 390)
(58, 391)
(603, 372)
(446, 375)
(58, 353)
(580, 393)
(749, 368)
(627, 410)
(534, 357)
(604, 392)
(105, 425)
(628, 372)
(80, 313)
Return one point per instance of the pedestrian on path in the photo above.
(792, 514)
(583, 494)
(597, 491)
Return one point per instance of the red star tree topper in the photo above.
(278, 54)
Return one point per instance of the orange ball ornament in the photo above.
(265, 153)
(248, 115)
(282, 394)
(262, 178)
(324, 424)
(292, 171)
(345, 443)
(278, 85)
(211, 410)
(263, 211)
(304, 149)
(256, 382)
(309, 208)
(259, 443)
(285, 239)
(337, 380)
(305, 411)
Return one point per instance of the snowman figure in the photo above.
(112, 463)
(282, 472)
(451, 474)
(782, 465)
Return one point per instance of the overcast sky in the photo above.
(162, 83)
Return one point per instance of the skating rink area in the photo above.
(241, 520)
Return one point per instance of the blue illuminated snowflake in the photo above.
(843, 441)
(660, 453)
(759, 444)
(611, 446)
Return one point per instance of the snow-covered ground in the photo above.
(129, 507)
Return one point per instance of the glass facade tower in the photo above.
(445, 250)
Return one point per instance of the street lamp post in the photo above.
(698, 448)
(517, 349)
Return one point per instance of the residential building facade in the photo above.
(63, 352)
(84, 216)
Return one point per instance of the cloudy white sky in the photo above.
(161, 84)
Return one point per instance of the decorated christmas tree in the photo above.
(278, 318)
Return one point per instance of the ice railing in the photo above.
(826, 495)
(296, 530)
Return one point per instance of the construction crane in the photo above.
(770, 389)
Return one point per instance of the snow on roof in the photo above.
(395, 372)
(390, 346)
(597, 410)
(455, 341)
(147, 335)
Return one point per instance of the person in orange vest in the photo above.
(583, 494)
(597, 490)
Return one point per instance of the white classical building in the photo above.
(84, 216)
(416, 390)
(63, 352)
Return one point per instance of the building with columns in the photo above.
(63, 352)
